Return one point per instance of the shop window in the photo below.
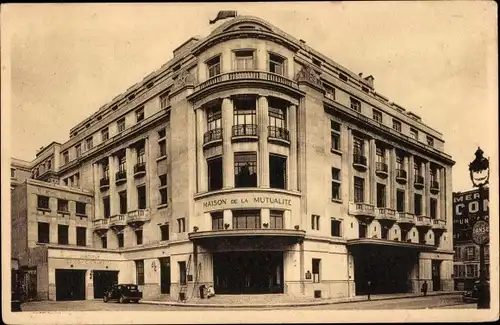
(43, 232)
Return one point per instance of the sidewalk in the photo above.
(279, 300)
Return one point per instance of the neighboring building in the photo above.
(467, 207)
(20, 170)
(250, 162)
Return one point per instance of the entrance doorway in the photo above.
(436, 275)
(165, 275)
(387, 268)
(70, 284)
(103, 280)
(248, 272)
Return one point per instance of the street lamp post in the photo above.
(479, 174)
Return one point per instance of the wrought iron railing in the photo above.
(240, 130)
(278, 133)
(212, 135)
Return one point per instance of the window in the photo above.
(470, 253)
(43, 202)
(62, 234)
(277, 172)
(245, 169)
(377, 116)
(89, 143)
(141, 197)
(358, 146)
(165, 232)
(123, 202)
(430, 141)
(381, 195)
(139, 272)
(246, 219)
(315, 222)
(162, 142)
(138, 237)
(336, 183)
(335, 135)
(104, 241)
(66, 157)
(336, 226)
(276, 64)
(121, 125)
(81, 236)
(164, 102)
(181, 225)
(43, 232)
(213, 66)
(122, 163)
(356, 105)
(78, 150)
(163, 189)
(105, 134)
(329, 92)
(413, 134)
(12, 172)
(244, 60)
(384, 232)
(400, 161)
(105, 203)
(418, 204)
(277, 115)
(141, 152)
(315, 270)
(215, 174)
(214, 118)
(162, 134)
(49, 164)
(62, 206)
(120, 240)
(433, 174)
(244, 112)
(400, 201)
(359, 190)
(139, 114)
(105, 170)
(433, 207)
(76, 179)
(417, 169)
(276, 219)
(380, 153)
(396, 125)
(217, 220)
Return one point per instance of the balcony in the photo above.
(104, 183)
(423, 222)
(138, 217)
(363, 210)
(401, 176)
(385, 214)
(140, 169)
(212, 137)
(406, 218)
(381, 169)
(118, 221)
(419, 182)
(121, 177)
(434, 187)
(278, 134)
(100, 225)
(359, 162)
(244, 132)
(439, 224)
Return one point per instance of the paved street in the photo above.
(450, 301)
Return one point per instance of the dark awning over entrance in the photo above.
(363, 242)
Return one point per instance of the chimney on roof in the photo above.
(370, 79)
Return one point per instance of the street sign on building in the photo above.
(481, 232)
(466, 211)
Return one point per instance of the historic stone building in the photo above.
(251, 162)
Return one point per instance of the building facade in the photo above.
(467, 207)
(250, 162)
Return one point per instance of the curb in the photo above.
(291, 304)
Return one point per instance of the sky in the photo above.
(437, 59)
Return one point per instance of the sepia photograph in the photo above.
(271, 162)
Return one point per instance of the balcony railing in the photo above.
(212, 136)
(419, 181)
(104, 183)
(361, 209)
(423, 221)
(438, 224)
(359, 161)
(121, 176)
(381, 168)
(434, 187)
(385, 213)
(401, 175)
(247, 75)
(100, 224)
(406, 217)
(278, 133)
(139, 215)
(118, 220)
(140, 169)
(244, 130)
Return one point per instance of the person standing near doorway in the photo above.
(369, 288)
(424, 288)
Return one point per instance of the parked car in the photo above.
(123, 293)
(472, 294)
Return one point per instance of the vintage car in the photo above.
(123, 293)
(472, 294)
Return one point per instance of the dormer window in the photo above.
(213, 66)
(276, 64)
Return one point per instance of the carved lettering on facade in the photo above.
(257, 200)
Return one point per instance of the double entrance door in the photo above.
(248, 272)
(103, 280)
(70, 284)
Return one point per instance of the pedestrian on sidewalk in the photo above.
(369, 289)
(210, 292)
(424, 288)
